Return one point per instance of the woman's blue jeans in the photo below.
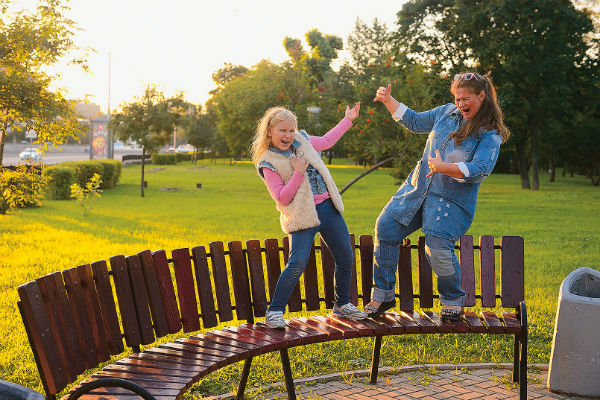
(389, 234)
(334, 232)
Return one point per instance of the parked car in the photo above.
(185, 148)
(31, 154)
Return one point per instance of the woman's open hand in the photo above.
(434, 164)
(352, 113)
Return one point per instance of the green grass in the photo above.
(559, 223)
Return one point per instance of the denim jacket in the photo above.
(448, 203)
(317, 183)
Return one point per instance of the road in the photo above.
(68, 152)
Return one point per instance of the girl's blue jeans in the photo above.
(389, 234)
(334, 232)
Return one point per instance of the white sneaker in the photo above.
(274, 319)
(349, 311)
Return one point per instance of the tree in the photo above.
(29, 43)
(148, 121)
(538, 51)
(199, 129)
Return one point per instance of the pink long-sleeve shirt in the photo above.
(284, 193)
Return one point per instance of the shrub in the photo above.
(59, 179)
(20, 188)
(85, 170)
(163, 159)
(86, 195)
(183, 157)
(111, 173)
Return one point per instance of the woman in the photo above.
(440, 194)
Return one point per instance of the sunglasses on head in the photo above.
(467, 77)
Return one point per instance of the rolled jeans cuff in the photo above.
(381, 295)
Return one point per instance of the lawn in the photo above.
(559, 223)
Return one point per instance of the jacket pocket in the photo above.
(458, 192)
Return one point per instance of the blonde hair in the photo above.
(262, 141)
(489, 115)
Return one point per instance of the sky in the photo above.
(178, 44)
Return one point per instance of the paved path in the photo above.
(465, 382)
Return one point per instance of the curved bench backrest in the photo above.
(73, 323)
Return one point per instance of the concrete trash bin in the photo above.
(12, 391)
(575, 357)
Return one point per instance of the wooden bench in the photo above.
(73, 323)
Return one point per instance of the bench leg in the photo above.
(287, 373)
(516, 359)
(375, 360)
(244, 379)
(523, 355)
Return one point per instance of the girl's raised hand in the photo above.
(383, 93)
(352, 113)
(298, 163)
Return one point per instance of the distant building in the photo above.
(87, 110)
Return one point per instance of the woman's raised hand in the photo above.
(352, 113)
(298, 163)
(384, 93)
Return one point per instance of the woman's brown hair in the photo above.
(489, 115)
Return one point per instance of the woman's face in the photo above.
(467, 101)
(282, 134)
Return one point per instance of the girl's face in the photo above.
(467, 101)
(282, 134)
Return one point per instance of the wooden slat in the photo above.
(204, 285)
(53, 373)
(140, 298)
(425, 277)
(394, 326)
(424, 324)
(83, 325)
(328, 264)
(93, 311)
(511, 322)
(125, 298)
(512, 271)
(219, 269)
(353, 281)
(494, 325)
(366, 266)
(107, 305)
(332, 332)
(159, 316)
(475, 323)
(441, 325)
(405, 318)
(167, 290)
(257, 278)
(241, 284)
(405, 284)
(273, 264)
(467, 269)
(295, 302)
(488, 271)
(311, 282)
(62, 325)
(185, 289)
(347, 331)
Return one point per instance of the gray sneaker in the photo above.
(274, 319)
(349, 311)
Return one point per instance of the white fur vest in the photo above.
(301, 213)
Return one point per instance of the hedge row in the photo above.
(170, 158)
(61, 176)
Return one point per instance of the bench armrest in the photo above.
(111, 382)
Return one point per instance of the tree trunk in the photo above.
(552, 170)
(564, 171)
(523, 168)
(535, 185)
(330, 156)
(2, 138)
(143, 164)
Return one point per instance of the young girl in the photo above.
(308, 201)
(440, 194)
